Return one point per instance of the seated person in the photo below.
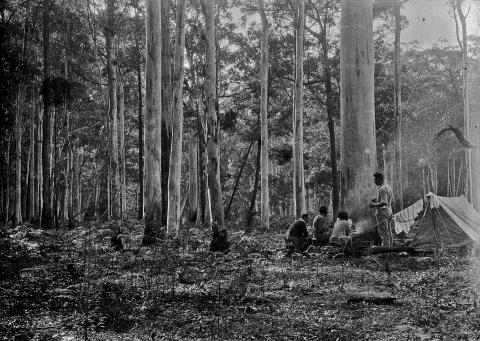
(341, 232)
(296, 238)
(321, 227)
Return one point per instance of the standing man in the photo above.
(383, 205)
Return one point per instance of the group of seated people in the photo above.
(298, 239)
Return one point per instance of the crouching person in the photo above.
(321, 227)
(341, 233)
(296, 238)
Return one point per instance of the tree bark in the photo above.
(31, 165)
(121, 118)
(167, 120)
(175, 171)
(112, 107)
(265, 209)
(39, 166)
(255, 186)
(7, 180)
(153, 129)
(193, 178)
(213, 127)
(47, 149)
(358, 145)
(18, 152)
(140, 138)
(398, 181)
(298, 169)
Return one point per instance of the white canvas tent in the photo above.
(448, 222)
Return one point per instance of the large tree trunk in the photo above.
(47, 149)
(167, 120)
(153, 131)
(193, 178)
(474, 110)
(213, 127)
(140, 139)
(471, 122)
(358, 145)
(265, 210)
(298, 169)
(121, 118)
(398, 182)
(112, 107)
(175, 171)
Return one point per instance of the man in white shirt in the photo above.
(383, 206)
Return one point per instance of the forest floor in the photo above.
(71, 285)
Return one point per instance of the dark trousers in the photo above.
(299, 244)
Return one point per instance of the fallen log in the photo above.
(394, 248)
(373, 300)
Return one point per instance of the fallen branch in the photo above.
(373, 300)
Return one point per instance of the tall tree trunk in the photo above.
(166, 104)
(255, 186)
(331, 121)
(175, 171)
(18, 153)
(153, 129)
(397, 86)
(237, 181)
(471, 120)
(39, 168)
(121, 119)
(265, 210)
(298, 169)
(213, 127)
(358, 145)
(140, 139)
(112, 106)
(7, 180)
(193, 177)
(31, 165)
(201, 162)
(47, 149)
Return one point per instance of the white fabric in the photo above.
(405, 219)
(462, 213)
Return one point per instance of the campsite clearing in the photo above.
(182, 292)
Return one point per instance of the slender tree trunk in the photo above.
(358, 145)
(39, 168)
(213, 127)
(397, 85)
(193, 177)
(153, 131)
(18, 153)
(112, 106)
(47, 214)
(7, 180)
(140, 140)
(201, 163)
(298, 169)
(121, 118)
(237, 181)
(265, 209)
(167, 120)
(31, 165)
(255, 186)
(175, 171)
(331, 122)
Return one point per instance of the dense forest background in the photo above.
(81, 37)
